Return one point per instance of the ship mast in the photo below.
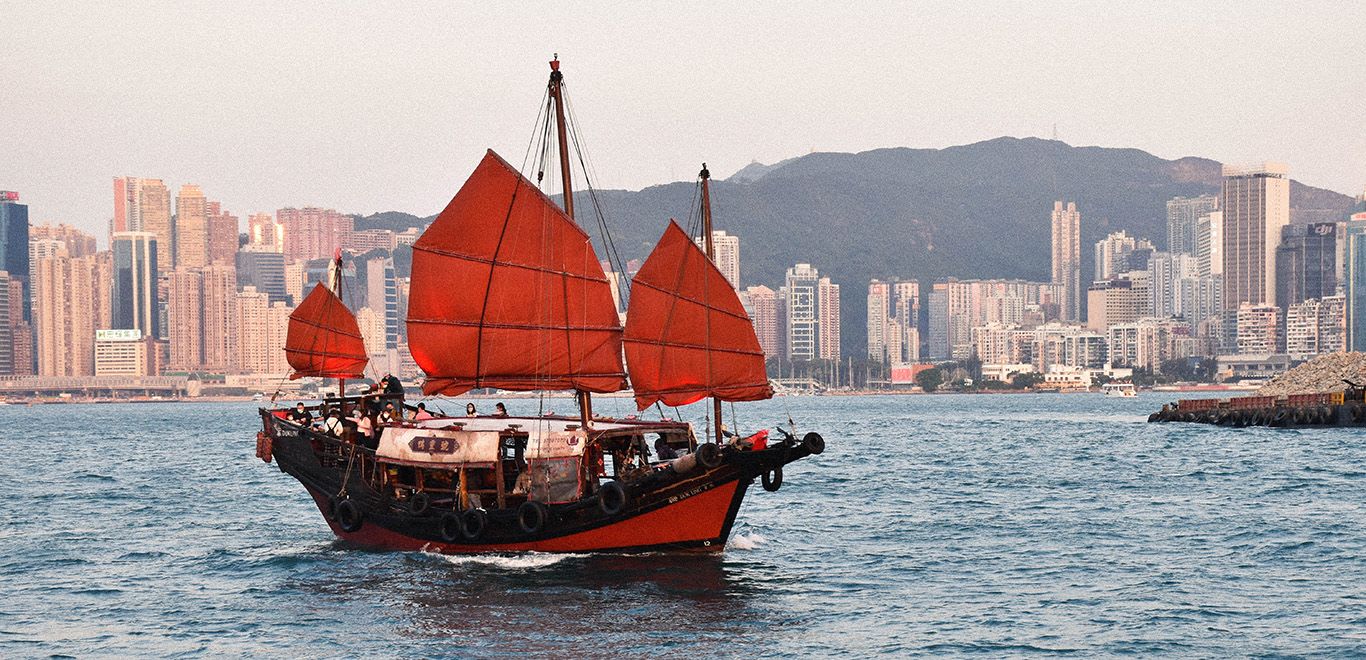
(705, 175)
(335, 283)
(585, 399)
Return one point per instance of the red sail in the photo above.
(324, 339)
(687, 336)
(508, 293)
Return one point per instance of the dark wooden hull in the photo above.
(693, 512)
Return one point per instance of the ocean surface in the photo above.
(944, 525)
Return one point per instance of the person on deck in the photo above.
(365, 430)
(392, 385)
(469, 410)
(389, 416)
(301, 416)
(422, 413)
(663, 451)
(500, 410)
(333, 424)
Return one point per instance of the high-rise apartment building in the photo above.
(78, 243)
(223, 236)
(14, 239)
(263, 231)
(1209, 245)
(1112, 255)
(762, 304)
(1306, 263)
(727, 259)
(879, 302)
(21, 331)
(1066, 222)
(184, 320)
(191, 233)
(219, 316)
(1313, 327)
(313, 233)
(136, 259)
(828, 326)
(1258, 329)
(1183, 218)
(802, 313)
(260, 338)
(65, 297)
(1356, 285)
(144, 205)
(265, 271)
(1255, 202)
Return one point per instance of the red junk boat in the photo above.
(508, 293)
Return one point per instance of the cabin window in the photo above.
(555, 480)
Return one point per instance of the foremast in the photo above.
(710, 249)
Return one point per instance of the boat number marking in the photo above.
(284, 432)
(433, 445)
(685, 495)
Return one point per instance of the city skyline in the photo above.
(127, 108)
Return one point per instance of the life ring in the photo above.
(348, 516)
(708, 455)
(612, 497)
(813, 442)
(451, 529)
(532, 516)
(772, 479)
(472, 523)
(419, 503)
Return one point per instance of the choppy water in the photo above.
(997, 525)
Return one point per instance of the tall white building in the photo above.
(879, 301)
(1255, 202)
(1066, 225)
(802, 319)
(727, 260)
(1112, 255)
(828, 314)
(1183, 217)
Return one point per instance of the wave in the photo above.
(520, 561)
(747, 541)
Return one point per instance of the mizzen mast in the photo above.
(585, 399)
(710, 249)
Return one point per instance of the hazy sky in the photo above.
(367, 107)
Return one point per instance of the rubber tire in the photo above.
(419, 503)
(813, 442)
(1326, 416)
(532, 517)
(612, 497)
(348, 516)
(708, 455)
(451, 527)
(473, 522)
(772, 479)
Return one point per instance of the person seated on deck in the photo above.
(389, 416)
(333, 424)
(470, 411)
(500, 410)
(663, 451)
(301, 416)
(422, 413)
(365, 430)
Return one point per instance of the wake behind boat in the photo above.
(507, 292)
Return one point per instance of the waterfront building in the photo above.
(727, 248)
(828, 326)
(218, 317)
(124, 353)
(762, 304)
(1066, 235)
(1306, 263)
(223, 234)
(135, 270)
(191, 234)
(14, 243)
(937, 324)
(1117, 301)
(21, 331)
(1258, 329)
(1183, 219)
(1255, 202)
(802, 317)
(184, 321)
(65, 304)
(313, 233)
(1148, 343)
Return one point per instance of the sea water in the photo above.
(996, 525)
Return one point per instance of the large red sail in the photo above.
(324, 339)
(687, 335)
(508, 293)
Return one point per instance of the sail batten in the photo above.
(687, 336)
(324, 339)
(508, 293)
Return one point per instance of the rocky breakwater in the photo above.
(1322, 374)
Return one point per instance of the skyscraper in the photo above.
(191, 227)
(136, 259)
(1112, 255)
(879, 300)
(259, 347)
(153, 215)
(828, 326)
(1183, 216)
(14, 244)
(222, 228)
(78, 243)
(263, 270)
(727, 255)
(1255, 202)
(264, 231)
(184, 318)
(64, 310)
(1209, 244)
(219, 316)
(762, 304)
(1067, 257)
(1306, 263)
(802, 318)
(1356, 286)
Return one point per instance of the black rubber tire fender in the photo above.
(451, 527)
(708, 455)
(1326, 415)
(473, 522)
(772, 479)
(813, 442)
(612, 497)
(532, 517)
(349, 517)
(419, 503)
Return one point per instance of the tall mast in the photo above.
(705, 175)
(556, 82)
(335, 275)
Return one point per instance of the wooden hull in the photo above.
(693, 513)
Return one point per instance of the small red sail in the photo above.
(687, 335)
(508, 293)
(324, 339)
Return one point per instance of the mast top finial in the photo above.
(705, 174)
(555, 63)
